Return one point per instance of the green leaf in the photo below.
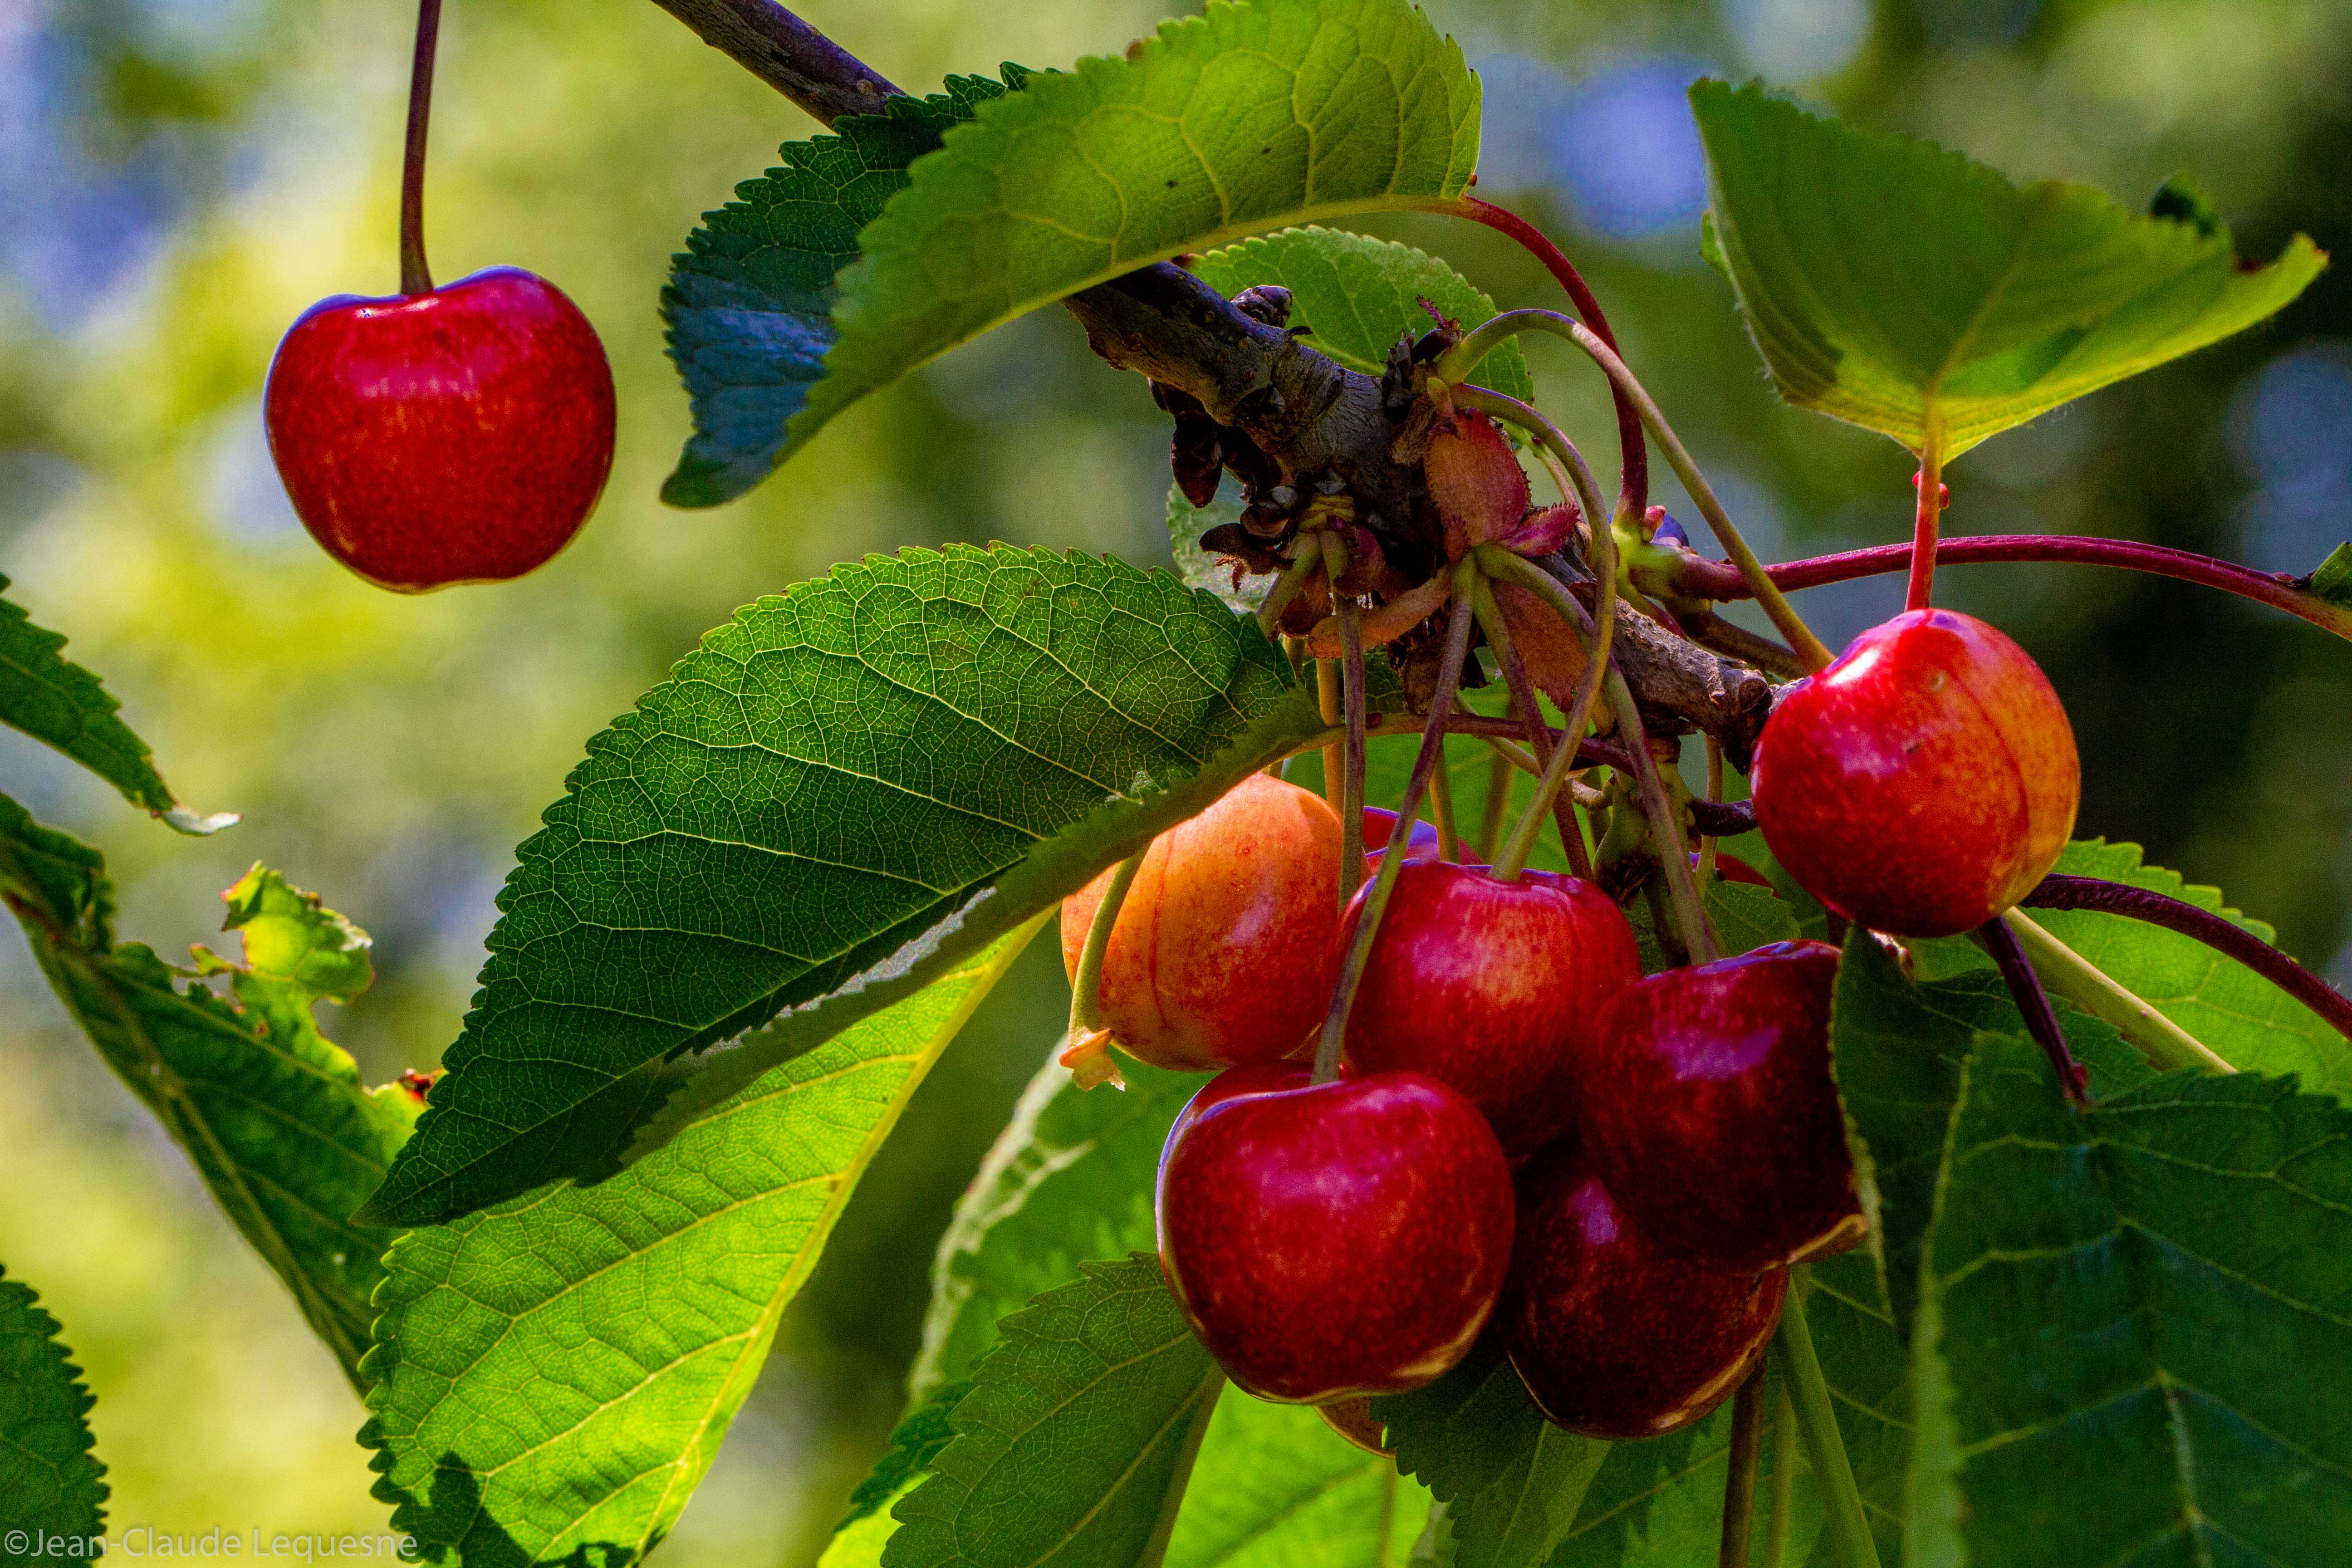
(915, 1442)
(2250, 1022)
(847, 790)
(555, 1375)
(2333, 579)
(1069, 1178)
(1276, 1488)
(2130, 1324)
(749, 304)
(49, 1481)
(57, 701)
(1357, 295)
(1898, 286)
(272, 1113)
(1899, 1048)
(1078, 1438)
(1513, 1480)
(1745, 917)
(1257, 114)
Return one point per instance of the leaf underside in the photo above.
(848, 789)
(749, 305)
(272, 1113)
(554, 1376)
(1894, 285)
(49, 1481)
(1255, 115)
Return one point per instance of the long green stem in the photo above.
(1522, 842)
(1523, 692)
(1739, 1484)
(1351, 775)
(1334, 1038)
(2087, 985)
(1784, 1477)
(1086, 985)
(1500, 781)
(1285, 587)
(1474, 347)
(1440, 807)
(1817, 1425)
(1335, 765)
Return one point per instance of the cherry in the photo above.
(1336, 1241)
(1380, 826)
(1732, 868)
(1253, 1078)
(1494, 988)
(460, 435)
(1613, 1336)
(1717, 1123)
(1923, 783)
(1223, 949)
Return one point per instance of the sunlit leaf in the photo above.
(848, 789)
(2332, 581)
(1255, 115)
(272, 1113)
(554, 1376)
(1276, 1488)
(50, 1484)
(1894, 285)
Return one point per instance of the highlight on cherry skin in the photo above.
(461, 435)
(1712, 1114)
(1494, 988)
(1338, 1240)
(1922, 782)
(1613, 1335)
(1247, 890)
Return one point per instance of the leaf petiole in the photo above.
(2089, 987)
(1739, 1483)
(1817, 1425)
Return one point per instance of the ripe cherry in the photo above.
(457, 436)
(1614, 1336)
(1338, 1241)
(1494, 988)
(1719, 1126)
(1234, 1083)
(1223, 952)
(1923, 783)
(1380, 826)
(1732, 868)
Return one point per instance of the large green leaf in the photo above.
(848, 789)
(50, 1482)
(1256, 114)
(2250, 1022)
(56, 700)
(272, 1113)
(1069, 1178)
(553, 1376)
(1075, 1445)
(1357, 295)
(2133, 1320)
(1898, 286)
(1276, 1488)
(750, 302)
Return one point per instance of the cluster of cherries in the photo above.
(1615, 1170)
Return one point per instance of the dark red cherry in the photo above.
(1338, 1241)
(1494, 988)
(457, 436)
(1250, 1078)
(1422, 844)
(1923, 783)
(1613, 1336)
(1732, 868)
(1717, 1123)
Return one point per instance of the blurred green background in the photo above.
(178, 178)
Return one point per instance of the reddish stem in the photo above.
(2041, 1017)
(1930, 481)
(1721, 579)
(415, 277)
(2230, 940)
(1633, 487)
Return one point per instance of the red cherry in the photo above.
(1234, 1083)
(1494, 988)
(1421, 844)
(1613, 1336)
(1223, 952)
(1732, 868)
(457, 436)
(1343, 1240)
(1923, 783)
(1720, 1129)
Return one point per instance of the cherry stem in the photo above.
(1573, 722)
(1086, 985)
(1286, 588)
(1376, 901)
(1817, 1425)
(1498, 791)
(2041, 1017)
(1739, 1485)
(1707, 841)
(1931, 507)
(1327, 692)
(1440, 807)
(2231, 939)
(1622, 380)
(1351, 762)
(1633, 487)
(1784, 1476)
(415, 277)
(1720, 580)
(1541, 736)
(2092, 989)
